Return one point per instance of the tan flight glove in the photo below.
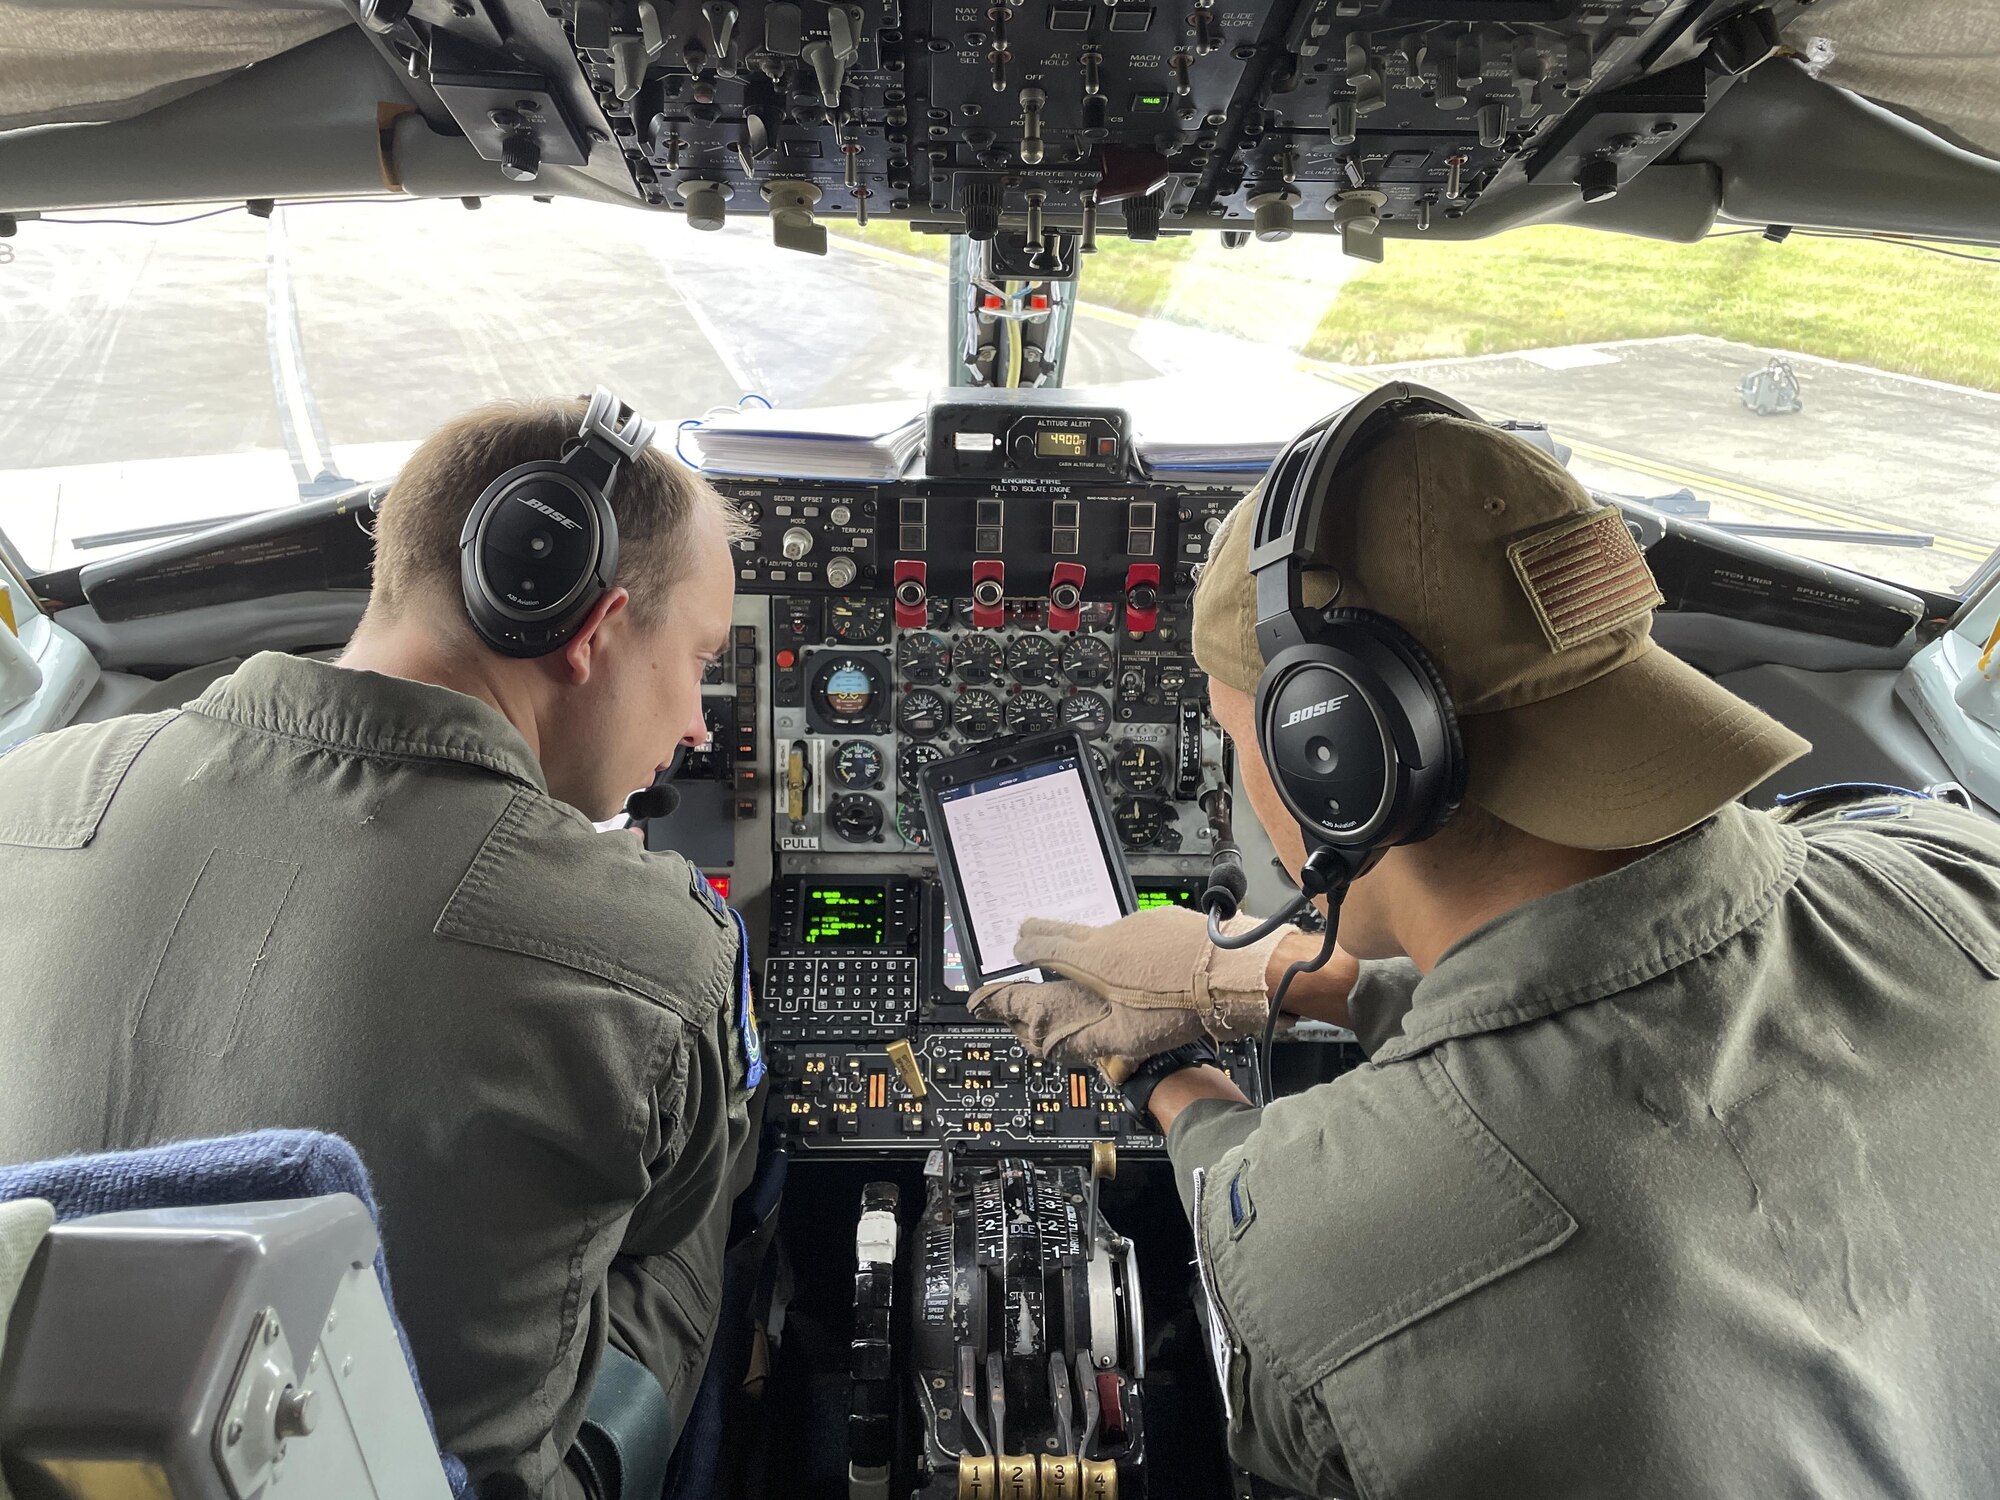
(1140, 986)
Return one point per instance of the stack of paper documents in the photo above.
(1188, 427)
(865, 444)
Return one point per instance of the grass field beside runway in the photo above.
(1892, 307)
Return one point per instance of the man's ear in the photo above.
(586, 646)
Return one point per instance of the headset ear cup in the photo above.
(1454, 783)
(1406, 646)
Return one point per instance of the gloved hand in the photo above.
(1139, 986)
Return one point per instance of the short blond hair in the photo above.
(655, 503)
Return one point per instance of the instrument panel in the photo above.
(900, 623)
(863, 1000)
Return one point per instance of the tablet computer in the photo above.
(1022, 829)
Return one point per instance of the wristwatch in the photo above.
(1138, 1088)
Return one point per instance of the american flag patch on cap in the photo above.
(1584, 577)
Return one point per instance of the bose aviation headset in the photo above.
(540, 546)
(1353, 718)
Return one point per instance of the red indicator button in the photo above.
(787, 660)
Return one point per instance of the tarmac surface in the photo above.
(155, 375)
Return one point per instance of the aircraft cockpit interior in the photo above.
(982, 318)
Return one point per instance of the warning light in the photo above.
(720, 883)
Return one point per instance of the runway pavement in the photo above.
(154, 374)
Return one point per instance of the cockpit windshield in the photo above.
(1839, 396)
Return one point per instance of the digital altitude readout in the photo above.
(1057, 443)
(844, 916)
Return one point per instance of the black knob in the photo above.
(1597, 179)
(1142, 596)
(383, 15)
(520, 158)
(1142, 217)
(980, 203)
(1093, 114)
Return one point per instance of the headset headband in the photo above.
(1297, 489)
(602, 444)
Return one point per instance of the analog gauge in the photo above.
(923, 658)
(1142, 768)
(846, 687)
(938, 611)
(1030, 712)
(1086, 661)
(976, 658)
(857, 622)
(977, 714)
(910, 824)
(1087, 712)
(1140, 821)
(923, 714)
(856, 817)
(858, 763)
(911, 761)
(1100, 765)
(1032, 660)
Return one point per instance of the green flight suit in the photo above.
(1682, 1182)
(325, 898)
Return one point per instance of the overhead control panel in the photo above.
(1350, 116)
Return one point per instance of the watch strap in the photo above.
(1138, 1088)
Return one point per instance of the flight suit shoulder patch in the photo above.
(1431, 1207)
(58, 786)
(1943, 860)
(1242, 1210)
(544, 883)
(708, 896)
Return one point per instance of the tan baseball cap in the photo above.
(1537, 606)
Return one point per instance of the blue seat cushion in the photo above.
(259, 1166)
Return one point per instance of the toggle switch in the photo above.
(1066, 596)
(912, 595)
(1142, 597)
(989, 591)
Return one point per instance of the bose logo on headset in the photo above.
(550, 511)
(1313, 711)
